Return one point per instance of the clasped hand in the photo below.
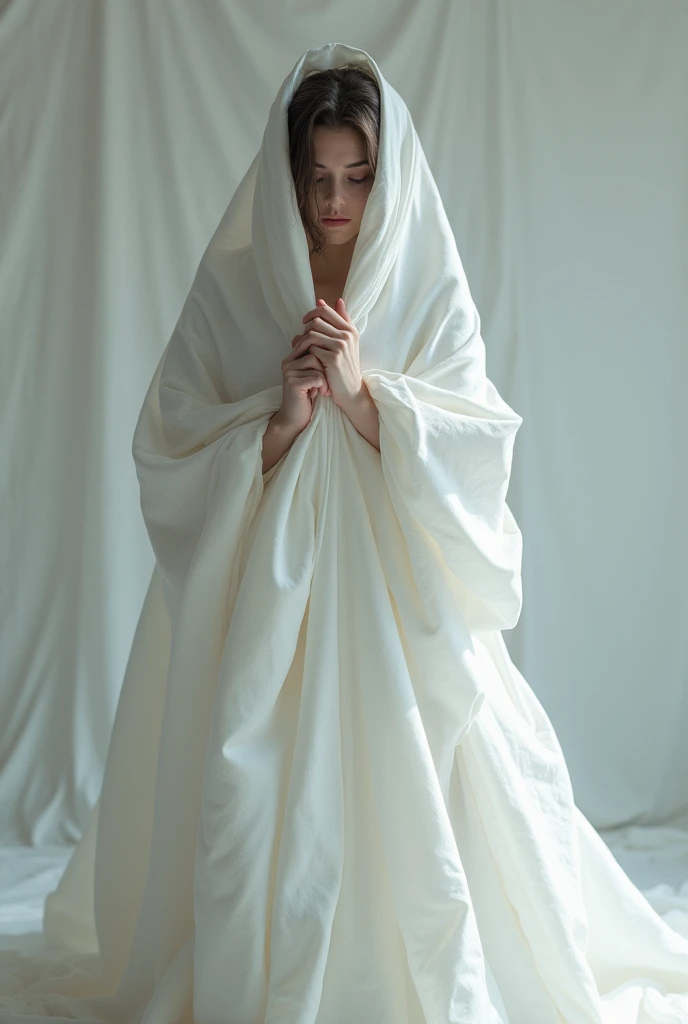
(331, 336)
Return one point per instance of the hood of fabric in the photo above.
(406, 289)
(264, 211)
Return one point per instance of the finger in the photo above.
(324, 326)
(340, 308)
(297, 354)
(305, 381)
(318, 323)
(324, 340)
(297, 338)
(307, 373)
(290, 355)
(296, 374)
(322, 354)
(328, 314)
(308, 360)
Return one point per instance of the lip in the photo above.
(335, 220)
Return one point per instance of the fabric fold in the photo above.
(429, 433)
(198, 453)
(352, 807)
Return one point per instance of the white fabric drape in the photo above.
(557, 134)
(349, 803)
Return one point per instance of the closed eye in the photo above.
(356, 181)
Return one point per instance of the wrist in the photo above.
(282, 428)
(360, 401)
(278, 438)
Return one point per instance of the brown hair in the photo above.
(346, 96)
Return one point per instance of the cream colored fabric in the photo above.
(106, 209)
(330, 795)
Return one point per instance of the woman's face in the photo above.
(343, 181)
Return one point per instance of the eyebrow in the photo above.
(360, 163)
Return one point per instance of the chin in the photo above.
(339, 237)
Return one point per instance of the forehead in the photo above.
(337, 147)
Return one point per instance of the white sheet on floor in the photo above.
(330, 795)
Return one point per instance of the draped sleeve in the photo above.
(446, 446)
(198, 454)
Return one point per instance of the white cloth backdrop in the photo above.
(558, 135)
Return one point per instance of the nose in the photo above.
(332, 199)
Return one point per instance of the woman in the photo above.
(330, 797)
(332, 185)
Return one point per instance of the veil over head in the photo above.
(321, 738)
(403, 212)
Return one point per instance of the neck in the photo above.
(334, 262)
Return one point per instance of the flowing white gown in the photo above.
(330, 796)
